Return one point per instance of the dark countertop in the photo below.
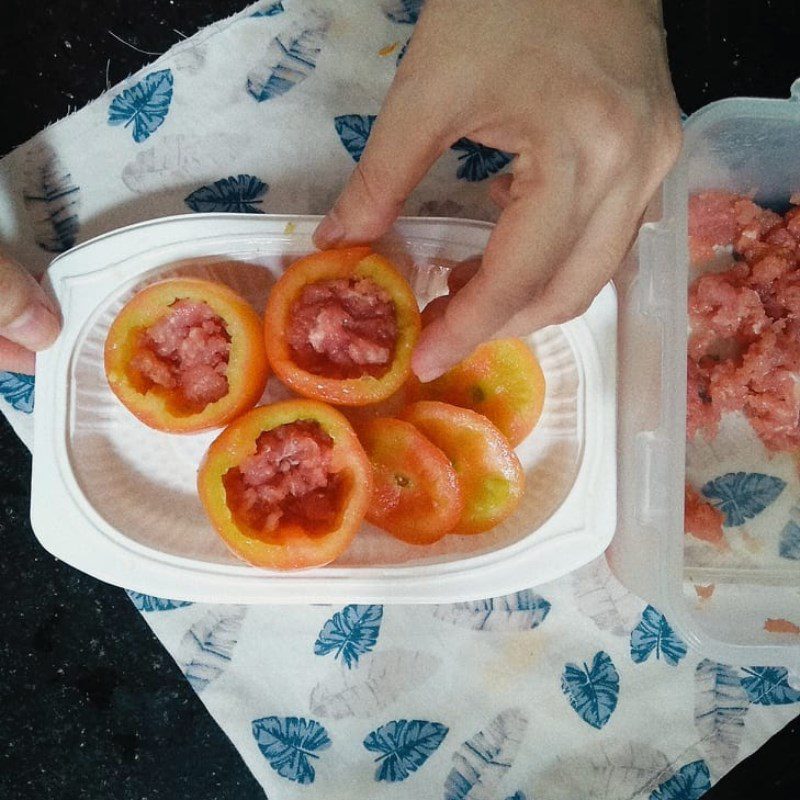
(91, 705)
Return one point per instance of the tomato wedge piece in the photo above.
(287, 485)
(186, 355)
(502, 380)
(416, 494)
(492, 480)
(340, 326)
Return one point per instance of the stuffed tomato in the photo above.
(186, 355)
(287, 485)
(340, 326)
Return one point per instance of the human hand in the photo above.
(28, 320)
(581, 93)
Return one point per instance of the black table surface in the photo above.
(91, 705)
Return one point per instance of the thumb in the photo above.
(407, 137)
(27, 316)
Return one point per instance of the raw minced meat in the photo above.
(289, 476)
(186, 350)
(701, 519)
(343, 328)
(744, 345)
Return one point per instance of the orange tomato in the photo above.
(167, 409)
(491, 477)
(303, 538)
(329, 265)
(416, 494)
(501, 379)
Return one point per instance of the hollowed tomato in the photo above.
(501, 379)
(287, 485)
(491, 477)
(416, 494)
(186, 355)
(340, 326)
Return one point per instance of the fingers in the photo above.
(592, 263)
(15, 358)
(408, 136)
(500, 190)
(27, 316)
(530, 241)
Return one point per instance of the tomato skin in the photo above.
(352, 262)
(247, 363)
(416, 493)
(289, 547)
(501, 379)
(492, 480)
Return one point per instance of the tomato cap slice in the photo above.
(492, 479)
(347, 263)
(290, 545)
(416, 493)
(159, 407)
(501, 379)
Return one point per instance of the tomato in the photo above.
(340, 326)
(501, 379)
(416, 494)
(491, 477)
(287, 485)
(702, 520)
(185, 355)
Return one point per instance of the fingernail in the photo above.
(329, 232)
(426, 370)
(35, 328)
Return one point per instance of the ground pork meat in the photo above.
(343, 328)
(186, 350)
(744, 346)
(289, 477)
(702, 520)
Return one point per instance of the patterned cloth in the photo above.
(574, 690)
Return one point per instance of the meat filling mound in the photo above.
(186, 351)
(744, 347)
(288, 479)
(343, 329)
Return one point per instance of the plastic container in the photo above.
(118, 500)
(741, 145)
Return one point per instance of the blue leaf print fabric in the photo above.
(18, 391)
(405, 12)
(517, 796)
(523, 610)
(51, 200)
(207, 647)
(691, 782)
(404, 746)
(354, 130)
(654, 634)
(789, 546)
(350, 633)
(483, 760)
(478, 162)
(270, 11)
(147, 602)
(720, 708)
(236, 194)
(769, 686)
(144, 106)
(291, 58)
(288, 743)
(402, 52)
(742, 495)
(592, 691)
